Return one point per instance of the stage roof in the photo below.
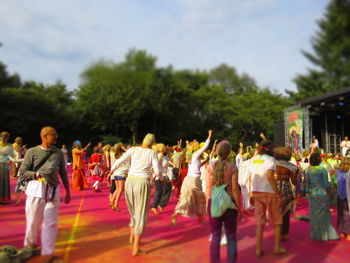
(337, 101)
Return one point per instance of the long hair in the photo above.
(222, 151)
(345, 164)
(118, 150)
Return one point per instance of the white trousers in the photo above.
(40, 213)
(245, 197)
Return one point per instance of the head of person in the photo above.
(77, 144)
(19, 141)
(4, 136)
(48, 136)
(282, 153)
(346, 138)
(100, 145)
(223, 150)
(119, 149)
(149, 141)
(177, 149)
(315, 159)
(161, 148)
(193, 146)
(64, 146)
(306, 153)
(265, 147)
(106, 148)
(294, 133)
(96, 149)
(345, 164)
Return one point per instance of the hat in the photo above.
(149, 140)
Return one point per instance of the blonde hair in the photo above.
(149, 140)
(345, 164)
(223, 150)
(118, 150)
(161, 148)
(106, 148)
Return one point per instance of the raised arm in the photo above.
(204, 147)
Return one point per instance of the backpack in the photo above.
(220, 201)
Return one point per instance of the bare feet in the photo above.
(259, 253)
(280, 250)
(138, 252)
(201, 220)
(160, 209)
(154, 210)
(173, 219)
(18, 202)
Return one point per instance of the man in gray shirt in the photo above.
(40, 169)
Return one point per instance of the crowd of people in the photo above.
(218, 182)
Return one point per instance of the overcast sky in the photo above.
(51, 40)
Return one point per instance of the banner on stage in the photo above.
(294, 124)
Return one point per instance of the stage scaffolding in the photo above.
(327, 117)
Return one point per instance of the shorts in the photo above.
(267, 202)
(119, 178)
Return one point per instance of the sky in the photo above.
(47, 41)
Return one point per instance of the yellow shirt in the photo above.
(78, 159)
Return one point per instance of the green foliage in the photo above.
(331, 56)
(124, 101)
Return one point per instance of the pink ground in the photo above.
(89, 231)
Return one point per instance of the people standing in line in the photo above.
(6, 154)
(222, 175)
(79, 181)
(316, 187)
(118, 176)
(266, 197)
(286, 174)
(162, 188)
(40, 169)
(192, 200)
(343, 200)
(137, 187)
(345, 146)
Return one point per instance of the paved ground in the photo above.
(89, 231)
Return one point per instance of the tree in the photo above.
(331, 56)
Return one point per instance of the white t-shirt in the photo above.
(142, 161)
(122, 169)
(37, 189)
(260, 164)
(195, 165)
(345, 145)
(163, 162)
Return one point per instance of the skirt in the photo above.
(192, 199)
(343, 220)
(320, 217)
